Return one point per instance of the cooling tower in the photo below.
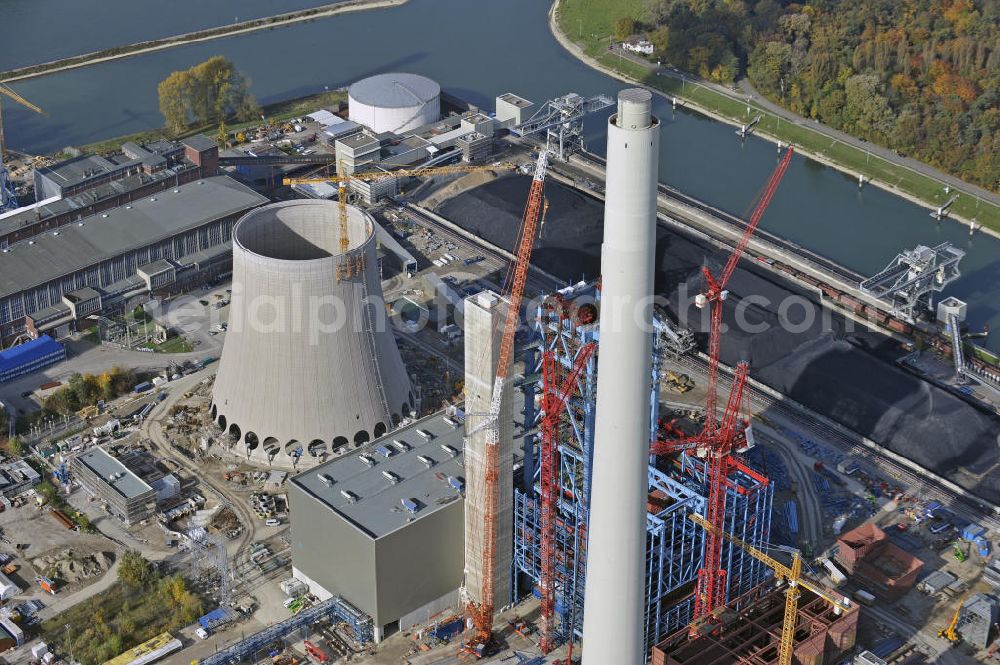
(310, 363)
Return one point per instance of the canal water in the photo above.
(477, 50)
(34, 31)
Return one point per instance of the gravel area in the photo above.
(829, 363)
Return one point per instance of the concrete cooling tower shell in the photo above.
(307, 365)
(394, 102)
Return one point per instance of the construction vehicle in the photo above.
(481, 613)
(345, 270)
(720, 438)
(679, 383)
(949, 632)
(792, 575)
(8, 196)
(315, 652)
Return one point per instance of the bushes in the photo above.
(87, 389)
(125, 615)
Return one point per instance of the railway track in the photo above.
(920, 486)
(739, 225)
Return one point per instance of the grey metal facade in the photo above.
(393, 565)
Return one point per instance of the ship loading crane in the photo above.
(719, 438)
(792, 575)
(516, 278)
(345, 270)
(8, 197)
(554, 398)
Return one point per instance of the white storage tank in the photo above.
(394, 102)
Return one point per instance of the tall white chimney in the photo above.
(613, 607)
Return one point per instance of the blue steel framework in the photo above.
(675, 546)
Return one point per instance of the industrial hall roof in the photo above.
(114, 473)
(103, 236)
(367, 486)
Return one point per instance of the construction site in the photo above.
(506, 404)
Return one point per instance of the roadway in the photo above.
(887, 154)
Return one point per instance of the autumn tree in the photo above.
(134, 570)
(624, 28)
(207, 93)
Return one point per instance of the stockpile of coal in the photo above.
(792, 343)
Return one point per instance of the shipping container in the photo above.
(972, 531)
(143, 387)
(864, 598)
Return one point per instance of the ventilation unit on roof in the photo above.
(326, 479)
(426, 461)
(410, 505)
(349, 495)
(391, 477)
(424, 434)
(368, 460)
(401, 446)
(448, 449)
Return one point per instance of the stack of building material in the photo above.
(883, 567)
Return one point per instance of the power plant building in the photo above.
(382, 527)
(124, 494)
(95, 264)
(310, 364)
(394, 102)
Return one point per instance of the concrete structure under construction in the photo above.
(484, 316)
(752, 635)
(382, 527)
(96, 263)
(977, 618)
(616, 547)
(310, 364)
(876, 563)
(124, 494)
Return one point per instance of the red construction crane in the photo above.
(554, 398)
(715, 443)
(517, 276)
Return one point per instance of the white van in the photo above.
(273, 521)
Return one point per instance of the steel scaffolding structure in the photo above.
(910, 280)
(565, 323)
(334, 609)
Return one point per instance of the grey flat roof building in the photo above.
(109, 234)
(387, 534)
(353, 536)
(377, 510)
(125, 494)
(106, 249)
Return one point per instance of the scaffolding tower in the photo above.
(210, 559)
(566, 322)
(908, 283)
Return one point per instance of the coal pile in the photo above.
(792, 343)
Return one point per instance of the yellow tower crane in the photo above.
(793, 576)
(8, 91)
(949, 632)
(342, 181)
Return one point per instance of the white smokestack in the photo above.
(613, 611)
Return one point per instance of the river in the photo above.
(476, 51)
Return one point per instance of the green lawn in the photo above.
(276, 112)
(590, 25)
(172, 345)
